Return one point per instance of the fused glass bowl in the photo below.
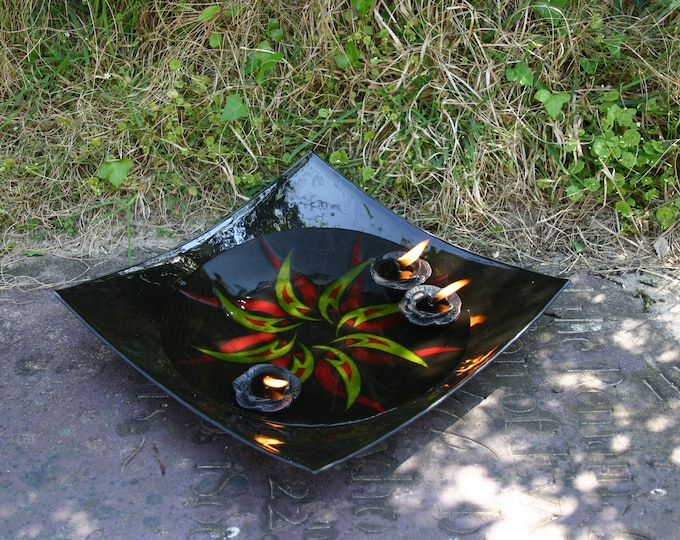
(286, 280)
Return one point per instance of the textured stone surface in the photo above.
(572, 433)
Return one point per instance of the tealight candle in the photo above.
(427, 305)
(267, 388)
(402, 270)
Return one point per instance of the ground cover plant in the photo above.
(522, 126)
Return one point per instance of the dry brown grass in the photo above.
(455, 147)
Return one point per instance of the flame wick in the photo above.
(274, 382)
(412, 254)
(451, 288)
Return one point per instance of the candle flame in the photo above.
(451, 288)
(274, 382)
(412, 254)
(477, 319)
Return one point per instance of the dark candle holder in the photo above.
(420, 306)
(389, 272)
(266, 388)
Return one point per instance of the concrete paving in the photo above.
(572, 433)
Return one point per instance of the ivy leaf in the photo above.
(665, 216)
(262, 60)
(362, 6)
(234, 109)
(520, 73)
(215, 40)
(624, 208)
(115, 170)
(208, 13)
(552, 102)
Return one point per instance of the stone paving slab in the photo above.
(572, 433)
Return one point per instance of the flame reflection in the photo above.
(451, 288)
(412, 254)
(472, 364)
(268, 443)
(477, 319)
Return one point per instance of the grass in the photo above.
(525, 128)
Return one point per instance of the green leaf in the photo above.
(542, 95)
(115, 171)
(274, 30)
(623, 208)
(631, 138)
(551, 10)
(588, 65)
(262, 60)
(215, 40)
(592, 184)
(352, 54)
(259, 323)
(367, 173)
(341, 60)
(285, 294)
(579, 246)
(332, 295)
(338, 157)
(576, 167)
(347, 370)
(265, 353)
(234, 109)
(381, 343)
(520, 73)
(303, 369)
(665, 216)
(552, 102)
(34, 252)
(363, 314)
(362, 6)
(574, 192)
(628, 160)
(208, 13)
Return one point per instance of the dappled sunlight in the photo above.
(675, 455)
(666, 357)
(632, 336)
(659, 423)
(79, 522)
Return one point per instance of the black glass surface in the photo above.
(286, 280)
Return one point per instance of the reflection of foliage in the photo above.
(356, 331)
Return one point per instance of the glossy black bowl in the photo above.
(286, 280)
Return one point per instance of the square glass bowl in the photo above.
(288, 282)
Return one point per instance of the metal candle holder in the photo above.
(421, 306)
(266, 388)
(389, 272)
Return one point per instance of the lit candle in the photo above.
(267, 388)
(274, 387)
(401, 270)
(427, 305)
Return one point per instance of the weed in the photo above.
(478, 120)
